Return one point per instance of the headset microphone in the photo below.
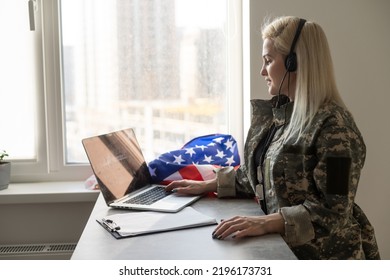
(278, 102)
(291, 63)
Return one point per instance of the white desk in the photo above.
(190, 244)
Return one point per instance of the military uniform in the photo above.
(311, 181)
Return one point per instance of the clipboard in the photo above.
(132, 224)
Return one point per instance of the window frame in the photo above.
(50, 164)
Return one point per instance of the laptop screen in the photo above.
(117, 162)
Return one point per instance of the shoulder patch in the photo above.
(338, 174)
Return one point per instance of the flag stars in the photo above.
(178, 159)
(208, 159)
(218, 140)
(229, 145)
(202, 147)
(152, 172)
(230, 160)
(190, 151)
(220, 154)
(204, 153)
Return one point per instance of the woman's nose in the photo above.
(263, 72)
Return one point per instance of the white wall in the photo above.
(358, 33)
(43, 213)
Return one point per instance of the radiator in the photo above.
(61, 251)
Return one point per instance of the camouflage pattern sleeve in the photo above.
(225, 182)
(233, 183)
(341, 153)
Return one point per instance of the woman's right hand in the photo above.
(192, 187)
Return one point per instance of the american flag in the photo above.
(196, 160)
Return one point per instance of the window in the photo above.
(18, 53)
(162, 67)
(21, 89)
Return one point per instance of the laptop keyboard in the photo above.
(148, 197)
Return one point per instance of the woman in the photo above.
(303, 154)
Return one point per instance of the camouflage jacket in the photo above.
(312, 182)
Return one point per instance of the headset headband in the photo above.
(291, 59)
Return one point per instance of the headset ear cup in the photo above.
(291, 59)
(291, 62)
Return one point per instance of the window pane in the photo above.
(156, 66)
(18, 81)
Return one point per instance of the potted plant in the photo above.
(5, 171)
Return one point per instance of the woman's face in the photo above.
(274, 69)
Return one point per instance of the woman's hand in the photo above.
(192, 187)
(250, 226)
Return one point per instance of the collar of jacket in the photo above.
(283, 114)
(265, 111)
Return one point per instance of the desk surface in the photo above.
(189, 244)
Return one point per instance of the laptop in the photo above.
(123, 175)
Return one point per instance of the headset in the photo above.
(291, 59)
(290, 63)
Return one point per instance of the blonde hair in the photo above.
(315, 81)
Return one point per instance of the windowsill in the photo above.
(47, 192)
